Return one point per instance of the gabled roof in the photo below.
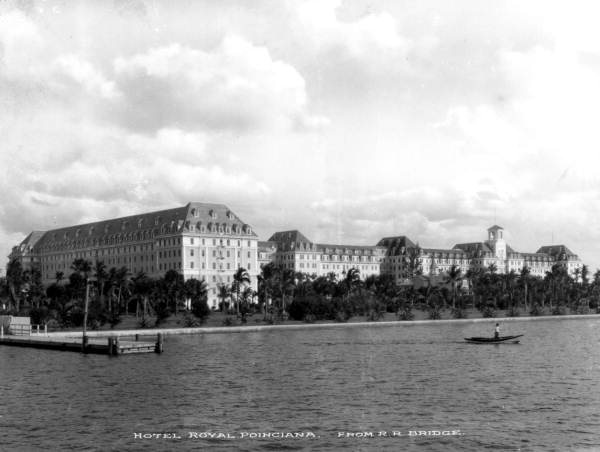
(495, 228)
(169, 220)
(399, 240)
(557, 250)
(292, 236)
(474, 248)
(29, 242)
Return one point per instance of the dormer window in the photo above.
(230, 215)
(106, 229)
(123, 225)
(77, 232)
(140, 223)
(212, 214)
(91, 231)
(156, 221)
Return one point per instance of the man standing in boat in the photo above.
(497, 331)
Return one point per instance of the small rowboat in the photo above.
(493, 340)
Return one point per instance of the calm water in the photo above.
(542, 394)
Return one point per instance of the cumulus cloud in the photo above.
(372, 33)
(237, 86)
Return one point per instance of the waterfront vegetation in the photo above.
(116, 297)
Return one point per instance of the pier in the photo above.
(112, 345)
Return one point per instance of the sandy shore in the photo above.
(303, 326)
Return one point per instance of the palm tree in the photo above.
(285, 281)
(267, 276)
(453, 277)
(142, 288)
(173, 287)
(122, 282)
(101, 276)
(224, 291)
(196, 291)
(524, 277)
(351, 281)
(240, 277)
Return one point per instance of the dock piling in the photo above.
(84, 344)
(159, 343)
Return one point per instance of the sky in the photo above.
(347, 120)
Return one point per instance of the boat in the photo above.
(493, 340)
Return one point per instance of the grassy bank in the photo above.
(217, 320)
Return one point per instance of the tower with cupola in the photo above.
(498, 245)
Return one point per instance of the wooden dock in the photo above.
(111, 345)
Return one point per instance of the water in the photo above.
(541, 394)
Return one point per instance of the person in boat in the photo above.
(497, 331)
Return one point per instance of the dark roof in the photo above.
(399, 240)
(289, 237)
(474, 247)
(495, 228)
(557, 250)
(162, 221)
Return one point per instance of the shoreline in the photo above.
(259, 328)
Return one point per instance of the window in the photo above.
(192, 264)
(191, 252)
(192, 240)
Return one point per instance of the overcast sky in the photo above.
(349, 121)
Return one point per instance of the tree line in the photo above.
(311, 297)
(284, 293)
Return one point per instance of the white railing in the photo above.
(25, 330)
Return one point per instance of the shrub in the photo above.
(559, 310)
(434, 313)
(189, 321)
(488, 311)
(162, 312)
(200, 309)
(227, 321)
(513, 311)
(536, 309)
(459, 313)
(342, 316)
(405, 313)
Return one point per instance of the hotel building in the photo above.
(199, 240)
(296, 252)
(209, 242)
(494, 251)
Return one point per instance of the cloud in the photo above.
(374, 33)
(237, 86)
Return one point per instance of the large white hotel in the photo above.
(210, 242)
